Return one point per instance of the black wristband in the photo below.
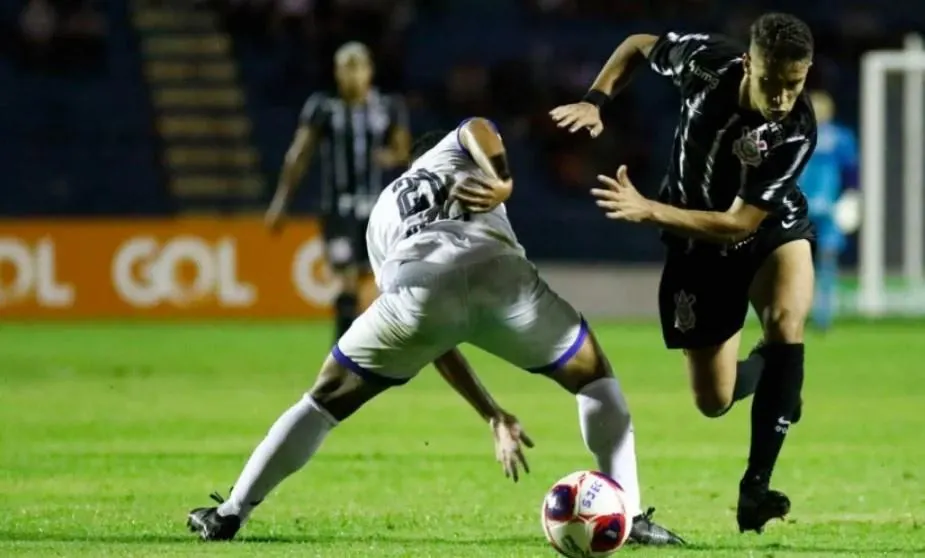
(596, 97)
(499, 164)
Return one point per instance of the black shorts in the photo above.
(345, 241)
(703, 294)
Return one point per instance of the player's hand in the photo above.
(481, 195)
(621, 200)
(275, 214)
(510, 439)
(578, 116)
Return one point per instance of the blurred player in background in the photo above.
(450, 271)
(830, 178)
(733, 219)
(360, 133)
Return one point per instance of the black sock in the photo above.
(776, 399)
(345, 308)
(748, 373)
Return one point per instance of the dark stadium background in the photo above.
(79, 132)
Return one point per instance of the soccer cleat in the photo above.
(647, 532)
(758, 506)
(210, 526)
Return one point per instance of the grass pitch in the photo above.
(110, 433)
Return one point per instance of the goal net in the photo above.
(891, 265)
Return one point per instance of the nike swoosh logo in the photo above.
(788, 224)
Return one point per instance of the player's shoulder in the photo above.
(319, 101)
(321, 95)
(709, 47)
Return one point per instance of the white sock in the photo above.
(607, 430)
(290, 443)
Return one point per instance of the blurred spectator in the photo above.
(61, 36)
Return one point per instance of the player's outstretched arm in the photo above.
(621, 200)
(619, 68)
(295, 164)
(509, 436)
(297, 158)
(613, 77)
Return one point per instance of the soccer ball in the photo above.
(584, 516)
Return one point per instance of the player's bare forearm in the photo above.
(295, 164)
(479, 136)
(713, 226)
(619, 68)
(455, 369)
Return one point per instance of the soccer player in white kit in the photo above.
(450, 271)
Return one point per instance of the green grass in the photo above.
(110, 433)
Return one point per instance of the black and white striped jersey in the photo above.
(349, 136)
(722, 150)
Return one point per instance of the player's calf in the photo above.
(288, 446)
(607, 429)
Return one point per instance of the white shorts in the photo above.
(500, 305)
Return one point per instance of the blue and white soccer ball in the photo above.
(584, 515)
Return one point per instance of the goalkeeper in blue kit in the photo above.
(830, 179)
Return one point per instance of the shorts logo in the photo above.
(684, 317)
(750, 148)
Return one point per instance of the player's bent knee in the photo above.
(712, 404)
(713, 372)
(340, 391)
(784, 325)
(587, 365)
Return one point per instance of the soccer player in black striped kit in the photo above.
(734, 222)
(360, 133)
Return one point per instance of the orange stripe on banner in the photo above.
(162, 268)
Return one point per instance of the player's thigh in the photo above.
(703, 303)
(782, 290)
(401, 332)
(702, 299)
(516, 316)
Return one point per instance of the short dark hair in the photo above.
(426, 141)
(782, 37)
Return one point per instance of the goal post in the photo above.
(877, 293)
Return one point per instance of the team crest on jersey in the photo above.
(684, 317)
(750, 148)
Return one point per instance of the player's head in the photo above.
(425, 142)
(353, 69)
(823, 105)
(779, 56)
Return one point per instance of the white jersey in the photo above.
(413, 220)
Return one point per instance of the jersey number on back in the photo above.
(422, 199)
